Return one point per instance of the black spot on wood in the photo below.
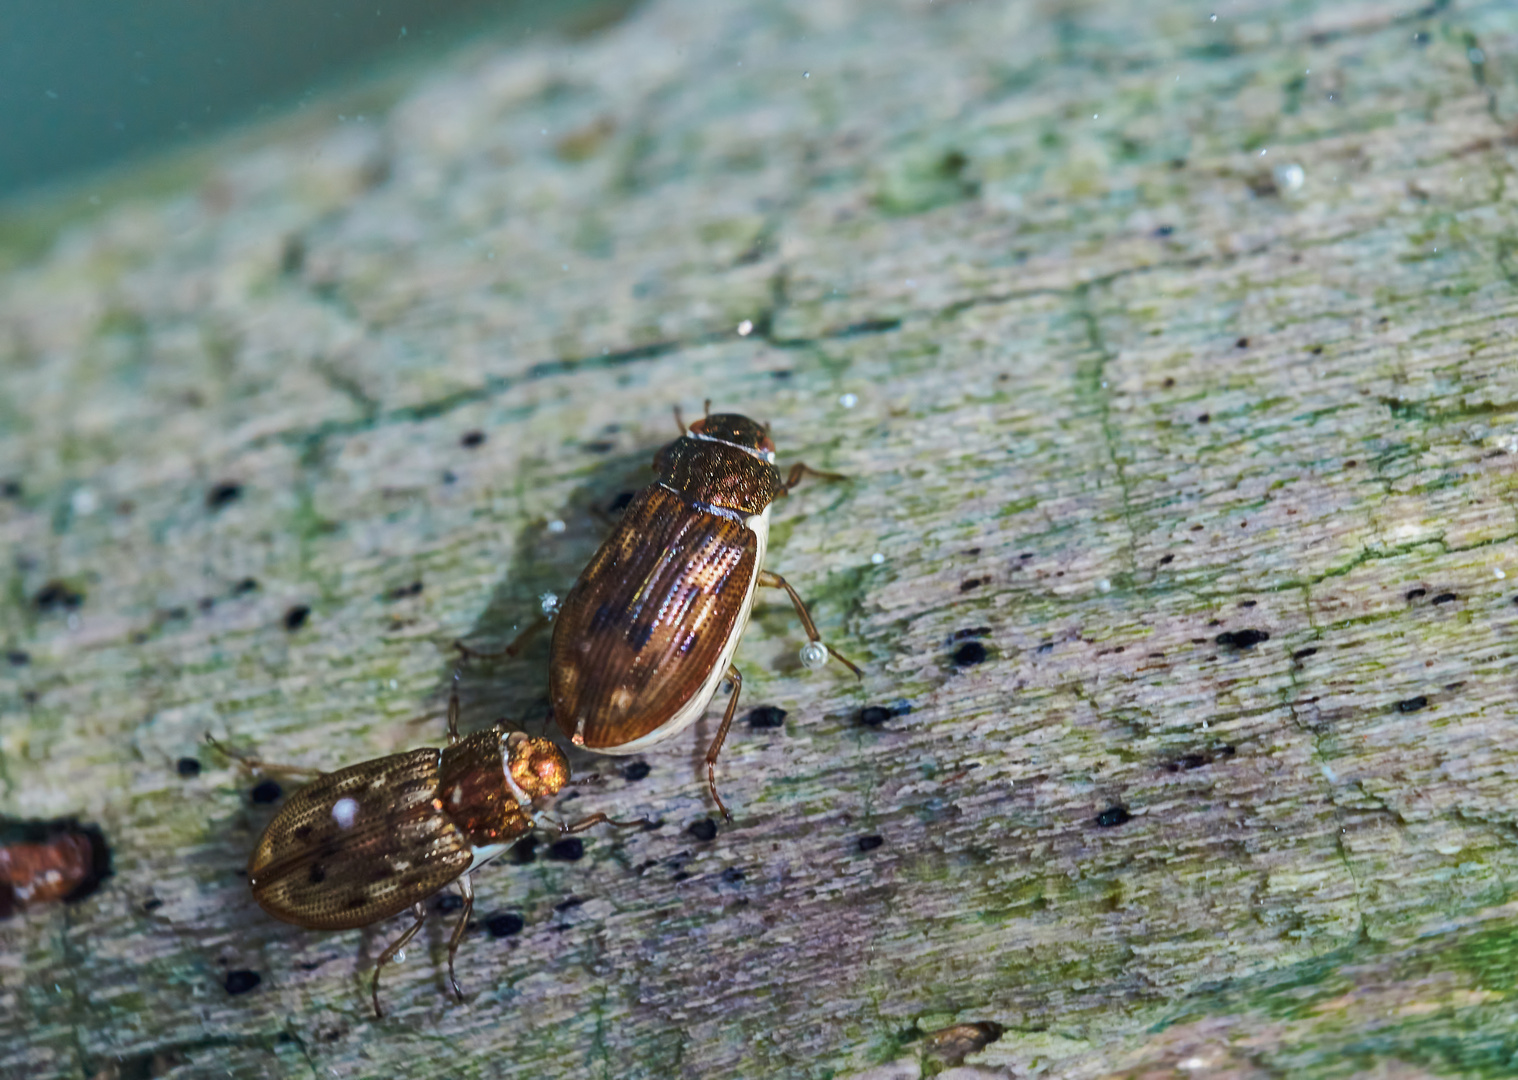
(10, 489)
(1242, 343)
(1204, 418)
(245, 586)
(1412, 704)
(447, 903)
(1248, 603)
(971, 632)
(1303, 654)
(18, 658)
(151, 904)
(449, 476)
(766, 716)
(265, 791)
(703, 829)
(969, 654)
(187, 766)
(316, 874)
(568, 849)
(1413, 594)
(569, 904)
(296, 617)
(869, 843)
(1198, 758)
(636, 771)
(472, 439)
(228, 491)
(1112, 817)
(732, 875)
(601, 446)
(972, 583)
(525, 850)
(1241, 639)
(1164, 230)
(1445, 598)
(1045, 647)
(57, 596)
(503, 924)
(401, 592)
(241, 981)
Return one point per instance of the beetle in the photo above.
(647, 634)
(45, 861)
(369, 841)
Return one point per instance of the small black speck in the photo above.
(187, 766)
(1413, 594)
(783, 373)
(1168, 384)
(10, 489)
(869, 843)
(1316, 350)
(972, 583)
(225, 492)
(971, 632)
(679, 877)
(1242, 343)
(504, 924)
(1248, 603)
(1045, 647)
(245, 586)
(1164, 230)
(400, 592)
(1351, 463)
(969, 654)
(1412, 704)
(206, 603)
(295, 618)
(1026, 555)
(152, 904)
(56, 595)
(447, 902)
(1241, 639)
(621, 502)
(525, 850)
(241, 981)
(1445, 598)
(703, 829)
(1112, 817)
(265, 791)
(471, 439)
(568, 849)
(874, 716)
(1166, 560)
(1303, 654)
(732, 875)
(1204, 418)
(766, 716)
(29, 696)
(601, 446)
(449, 476)
(638, 770)
(18, 658)
(568, 905)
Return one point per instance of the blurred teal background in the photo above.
(86, 84)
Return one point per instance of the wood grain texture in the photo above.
(1141, 336)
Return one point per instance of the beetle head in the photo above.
(537, 765)
(738, 430)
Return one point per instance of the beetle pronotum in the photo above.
(370, 841)
(646, 636)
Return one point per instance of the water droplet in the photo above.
(345, 812)
(1477, 56)
(814, 655)
(848, 401)
(745, 328)
(1499, 573)
(394, 685)
(877, 558)
(1289, 177)
(1212, 18)
(1103, 585)
(549, 602)
(806, 74)
(555, 526)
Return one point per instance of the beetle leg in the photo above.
(799, 470)
(514, 647)
(679, 420)
(467, 889)
(453, 711)
(716, 747)
(420, 911)
(775, 581)
(599, 819)
(254, 764)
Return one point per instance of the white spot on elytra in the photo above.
(345, 812)
(456, 796)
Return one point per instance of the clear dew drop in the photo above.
(549, 602)
(814, 655)
(345, 812)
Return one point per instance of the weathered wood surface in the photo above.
(1111, 383)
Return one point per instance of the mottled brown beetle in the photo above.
(367, 842)
(646, 636)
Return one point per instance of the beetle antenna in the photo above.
(679, 420)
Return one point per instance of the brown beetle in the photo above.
(367, 842)
(647, 634)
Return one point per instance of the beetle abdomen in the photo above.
(638, 636)
(358, 845)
